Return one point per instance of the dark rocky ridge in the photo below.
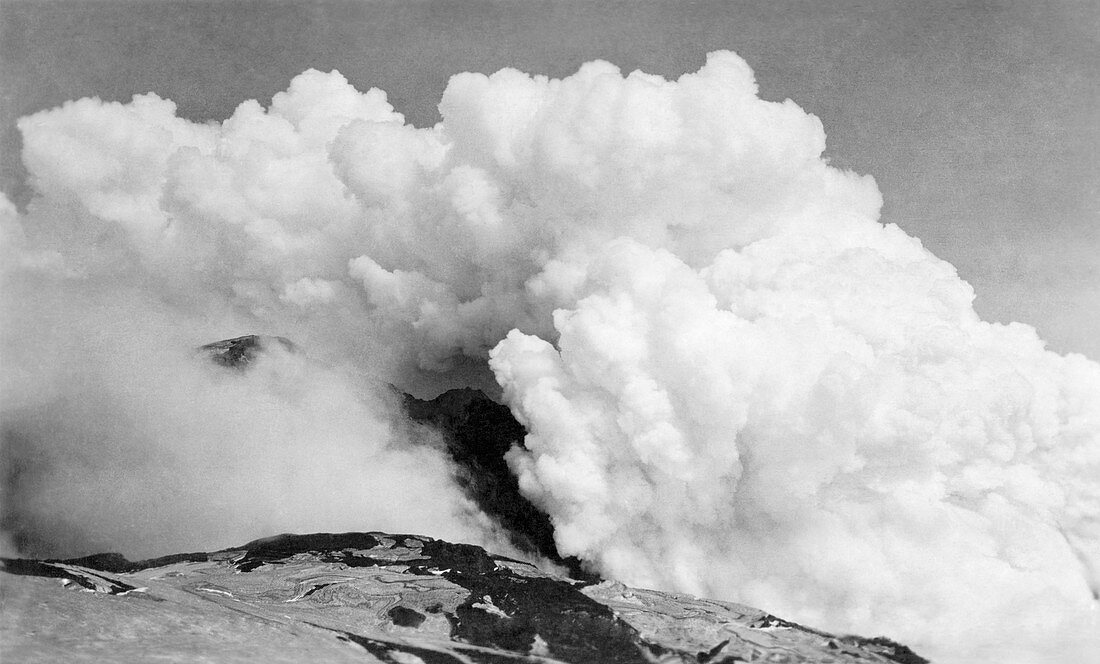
(476, 431)
(389, 598)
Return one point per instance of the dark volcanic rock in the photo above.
(478, 432)
(242, 351)
(371, 597)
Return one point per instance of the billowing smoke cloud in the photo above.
(736, 381)
(119, 436)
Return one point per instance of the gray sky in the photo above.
(978, 119)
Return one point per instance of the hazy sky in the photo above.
(978, 119)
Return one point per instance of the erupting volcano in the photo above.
(728, 375)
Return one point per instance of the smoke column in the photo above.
(736, 381)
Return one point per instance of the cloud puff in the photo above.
(737, 382)
(857, 460)
(119, 436)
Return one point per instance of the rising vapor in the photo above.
(736, 381)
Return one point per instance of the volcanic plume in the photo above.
(735, 379)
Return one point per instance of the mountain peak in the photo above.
(239, 352)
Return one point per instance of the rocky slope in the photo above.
(476, 432)
(373, 597)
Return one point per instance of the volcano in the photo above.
(376, 597)
(393, 598)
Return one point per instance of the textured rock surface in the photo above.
(373, 597)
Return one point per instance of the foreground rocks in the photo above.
(373, 597)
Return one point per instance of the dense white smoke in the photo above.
(737, 382)
(119, 436)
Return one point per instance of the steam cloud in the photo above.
(737, 382)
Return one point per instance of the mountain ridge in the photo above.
(394, 598)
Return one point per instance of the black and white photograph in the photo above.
(550, 331)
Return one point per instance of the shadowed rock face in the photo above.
(374, 597)
(478, 432)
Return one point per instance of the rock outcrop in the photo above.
(374, 597)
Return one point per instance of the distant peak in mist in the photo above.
(241, 351)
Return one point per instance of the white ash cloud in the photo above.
(737, 382)
(120, 436)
